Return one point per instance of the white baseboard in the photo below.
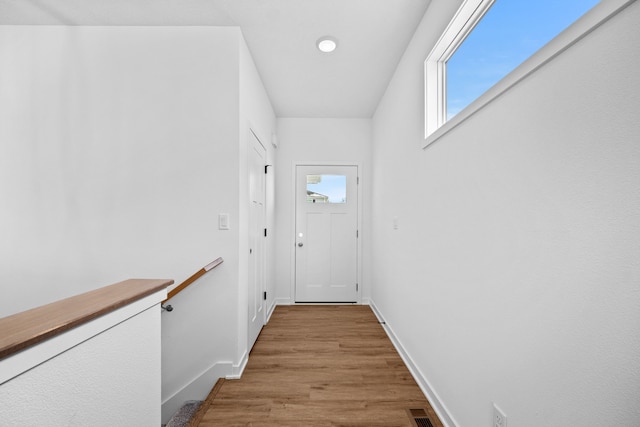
(239, 368)
(274, 304)
(197, 389)
(436, 403)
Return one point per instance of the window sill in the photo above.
(597, 16)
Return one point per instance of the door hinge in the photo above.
(265, 168)
(356, 287)
(357, 180)
(357, 234)
(264, 295)
(265, 232)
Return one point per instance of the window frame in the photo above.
(462, 23)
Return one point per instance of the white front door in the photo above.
(257, 161)
(326, 241)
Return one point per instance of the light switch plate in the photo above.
(223, 221)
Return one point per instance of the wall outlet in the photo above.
(499, 417)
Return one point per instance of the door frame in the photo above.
(263, 259)
(292, 231)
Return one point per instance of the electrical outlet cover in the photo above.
(499, 417)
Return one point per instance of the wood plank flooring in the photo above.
(320, 366)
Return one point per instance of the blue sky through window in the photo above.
(332, 186)
(509, 33)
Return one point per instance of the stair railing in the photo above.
(213, 264)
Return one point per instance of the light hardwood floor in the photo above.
(320, 366)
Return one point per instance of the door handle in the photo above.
(300, 244)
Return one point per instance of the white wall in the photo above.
(317, 140)
(110, 377)
(114, 146)
(513, 275)
(119, 147)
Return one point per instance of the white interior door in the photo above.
(257, 161)
(326, 241)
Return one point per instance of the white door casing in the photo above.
(326, 234)
(257, 161)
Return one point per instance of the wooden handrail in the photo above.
(23, 330)
(193, 278)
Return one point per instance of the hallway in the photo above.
(320, 366)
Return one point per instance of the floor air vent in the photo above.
(419, 417)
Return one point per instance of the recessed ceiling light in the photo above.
(327, 44)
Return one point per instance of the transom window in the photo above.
(485, 41)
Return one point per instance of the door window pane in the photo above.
(326, 189)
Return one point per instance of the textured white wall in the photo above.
(317, 140)
(110, 379)
(116, 147)
(119, 147)
(513, 275)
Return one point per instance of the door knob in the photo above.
(300, 244)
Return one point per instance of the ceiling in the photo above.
(281, 34)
